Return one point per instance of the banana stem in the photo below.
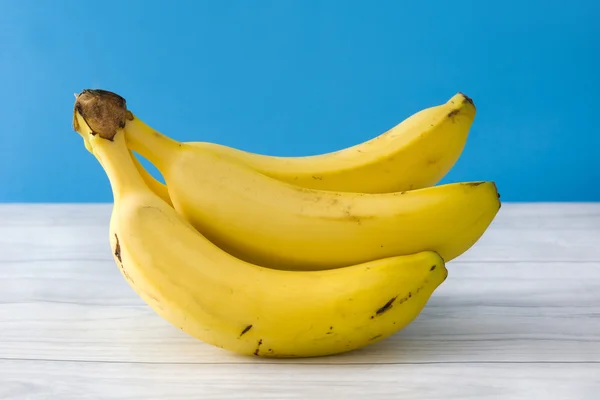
(154, 146)
(99, 117)
(118, 163)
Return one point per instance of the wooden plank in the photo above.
(103, 381)
(84, 310)
(517, 318)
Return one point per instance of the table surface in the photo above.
(517, 318)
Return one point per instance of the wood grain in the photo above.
(518, 317)
(35, 380)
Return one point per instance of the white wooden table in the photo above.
(517, 318)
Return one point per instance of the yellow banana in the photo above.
(263, 220)
(416, 153)
(232, 304)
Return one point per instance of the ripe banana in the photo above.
(266, 221)
(416, 153)
(232, 304)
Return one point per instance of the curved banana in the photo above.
(276, 224)
(232, 304)
(416, 153)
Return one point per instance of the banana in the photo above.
(416, 153)
(266, 221)
(232, 304)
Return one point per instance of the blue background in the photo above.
(305, 77)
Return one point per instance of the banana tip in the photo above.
(467, 99)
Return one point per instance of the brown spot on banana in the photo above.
(258, 347)
(453, 113)
(386, 306)
(118, 255)
(473, 184)
(245, 330)
(118, 249)
(467, 99)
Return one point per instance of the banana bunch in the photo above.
(287, 256)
